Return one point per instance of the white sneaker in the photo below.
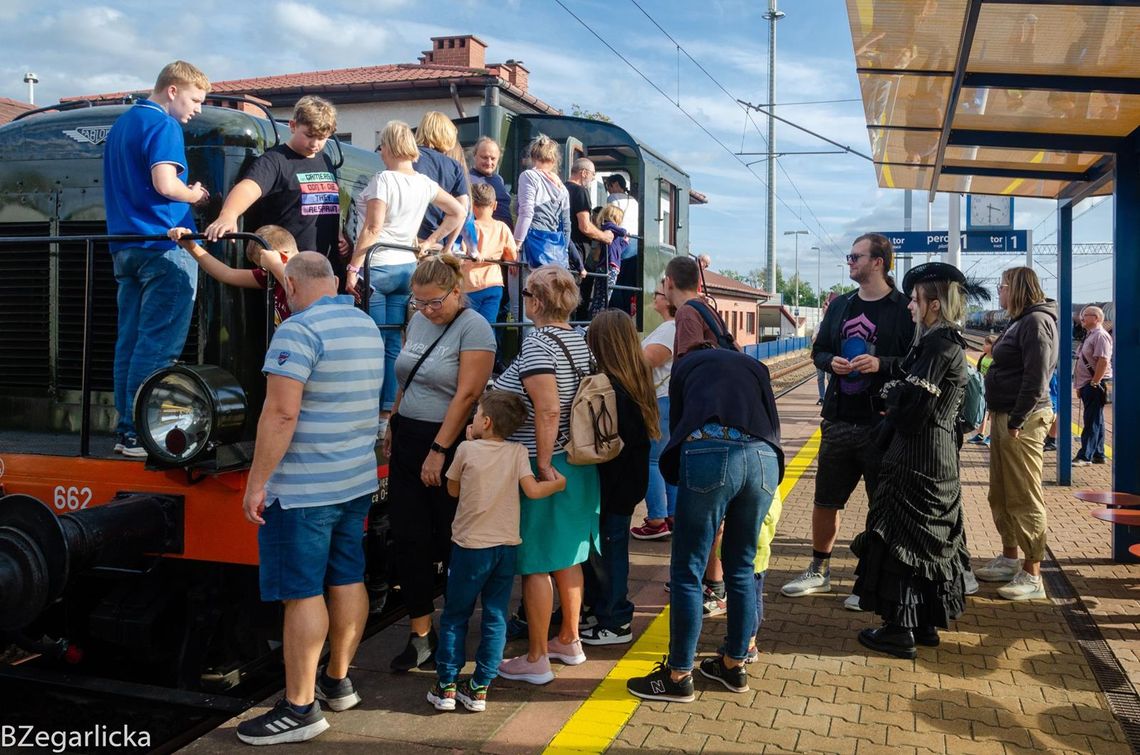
(1000, 569)
(807, 583)
(971, 582)
(1023, 587)
(852, 603)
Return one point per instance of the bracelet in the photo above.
(437, 448)
(352, 269)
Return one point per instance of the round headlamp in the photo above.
(184, 412)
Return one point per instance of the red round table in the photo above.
(1117, 516)
(1109, 498)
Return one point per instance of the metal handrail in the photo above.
(89, 242)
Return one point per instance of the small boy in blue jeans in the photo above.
(485, 475)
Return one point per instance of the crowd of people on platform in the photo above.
(479, 475)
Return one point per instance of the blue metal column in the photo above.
(1065, 336)
(1126, 284)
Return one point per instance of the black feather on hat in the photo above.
(942, 271)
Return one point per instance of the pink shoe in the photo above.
(649, 531)
(571, 654)
(521, 669)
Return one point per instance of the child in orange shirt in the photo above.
(482, 275)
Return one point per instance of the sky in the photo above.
(97, 47)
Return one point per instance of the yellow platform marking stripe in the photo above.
(597, 722)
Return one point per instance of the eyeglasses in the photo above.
(527, 294)
(855, 257)
(658, 293)
(1003, 285)
(418, 304)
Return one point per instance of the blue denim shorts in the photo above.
(303, 550)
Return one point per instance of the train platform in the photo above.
(1056, 675)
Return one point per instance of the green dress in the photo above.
(559, 531)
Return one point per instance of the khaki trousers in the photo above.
(1016, 498)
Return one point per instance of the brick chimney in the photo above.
(466, 51)
(515, 72)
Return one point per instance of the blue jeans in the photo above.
(821, 382)
(661, 497)
(486, 302)
(606, 575)
(475, 572)
(156, 301)
(1092, 431)
(388, 305)
(724, 480)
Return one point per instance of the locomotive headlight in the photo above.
(184, 412)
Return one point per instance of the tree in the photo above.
(578, 111)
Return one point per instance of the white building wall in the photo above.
(365, 120)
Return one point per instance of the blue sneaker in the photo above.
(128, 445)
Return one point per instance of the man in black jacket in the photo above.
(861, 341)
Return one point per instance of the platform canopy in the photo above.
(1021, 98)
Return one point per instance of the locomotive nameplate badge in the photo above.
(89, 134)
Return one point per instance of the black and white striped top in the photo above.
(541, 355)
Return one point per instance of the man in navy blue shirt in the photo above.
(487, 155)
(144, 163)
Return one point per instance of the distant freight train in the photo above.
(995, 320)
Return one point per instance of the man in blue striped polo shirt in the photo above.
(310, 485)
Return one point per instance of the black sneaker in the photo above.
(751, 656)
(927, 636)
(128, 445)
(597, 635)
(659, 685)
(418, 653)
(516, 629)
(890, 639)
(338, 693)
(1050, 444)
(1099, 460)
(735, 679)
(283, 724)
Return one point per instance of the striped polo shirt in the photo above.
(336, 351)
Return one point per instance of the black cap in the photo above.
(931, 271)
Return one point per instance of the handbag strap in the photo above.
(430, 349)
(566, 351)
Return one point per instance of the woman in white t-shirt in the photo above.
(395, 201)
(661, 497)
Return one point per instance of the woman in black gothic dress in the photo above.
(912, 553)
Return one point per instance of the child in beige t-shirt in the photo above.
(485, 475)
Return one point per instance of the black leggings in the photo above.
(421, 516)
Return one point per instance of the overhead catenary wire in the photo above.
(686, 113)
(749, 119)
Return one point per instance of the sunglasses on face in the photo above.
(855, 257)
(527, 294)
(433, 304)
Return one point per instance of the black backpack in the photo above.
(724, 339)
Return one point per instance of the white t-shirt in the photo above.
(407, 198)
(628, 205)
(662, 335)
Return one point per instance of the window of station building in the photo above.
(666, 216)
(345, 137)
(750, 327)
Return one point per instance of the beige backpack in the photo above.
(593, 416)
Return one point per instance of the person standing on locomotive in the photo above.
(487, 155)
(323, 372)
(144, 194)
(292, 185)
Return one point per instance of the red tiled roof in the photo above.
(9, 109)
(723, 282)
(356, 79)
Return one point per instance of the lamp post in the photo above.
(818, 275)
(797, 235)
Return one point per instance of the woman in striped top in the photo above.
(557, 532)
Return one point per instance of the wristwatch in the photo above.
(438, 448)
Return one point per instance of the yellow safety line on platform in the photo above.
(597, 722)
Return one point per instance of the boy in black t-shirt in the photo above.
(292, 185)
(861, 341)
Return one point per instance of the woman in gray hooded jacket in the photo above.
(1017, 394)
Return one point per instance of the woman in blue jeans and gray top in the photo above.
(395, 201)
(724, 454)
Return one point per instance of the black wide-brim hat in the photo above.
(943, 271)
(931, 271)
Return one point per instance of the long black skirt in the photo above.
(898, 594)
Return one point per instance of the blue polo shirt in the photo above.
(141, 138)
(448, 174)
(336, 351)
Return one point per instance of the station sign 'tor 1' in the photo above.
(936, 242)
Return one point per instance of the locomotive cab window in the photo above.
(666, 214)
